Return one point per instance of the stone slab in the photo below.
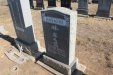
(14, 56)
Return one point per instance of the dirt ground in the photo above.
(94, 43)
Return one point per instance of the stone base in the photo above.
(31, 49)
(82, 11)
(39, 8)
(80, 15)
(51, 6)
(60, 67)
(106, 18)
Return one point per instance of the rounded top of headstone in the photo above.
(62, 10)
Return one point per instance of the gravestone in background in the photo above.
(95, 1)
(83, 7)
(104, 8)
(66, 3)
(51, 3)
(22, 20)
(39, 4)
(59, 26)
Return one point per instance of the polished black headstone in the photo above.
(104, 8)
(83, 7)
(57, 33)
(66, 3)
(39, 4)
(51, 3)
(54, 33)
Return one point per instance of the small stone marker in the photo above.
(14, 56)
(51, 3)
(39, 4)
(66, 3)
(82, 7)
(21, 16)
(104, 8)
(59, 25)
(90, 1)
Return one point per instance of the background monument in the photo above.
(104, 8)
(51, 3)
(39, 4)
(82, 7)
(66, 3)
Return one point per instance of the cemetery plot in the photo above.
(94, 42)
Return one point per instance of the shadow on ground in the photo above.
(78, 72)
(9, 39)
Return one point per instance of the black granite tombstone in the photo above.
(22, 20)
(66, 3)
(39, 4)
(104, 8)
(51, 3)
(83, 7)
(59, 25)
(95, 1)
(31, 4)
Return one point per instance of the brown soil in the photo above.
(94, 43)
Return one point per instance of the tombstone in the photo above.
(104, 8)
(95, 1)
(59, 26)
(22, 20)
(51, 3)
(66, 3)
(39, 4)
(82, 7)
